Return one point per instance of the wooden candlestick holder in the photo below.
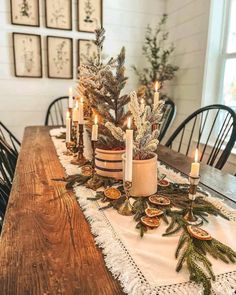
(69, 147)
(189, 216)
(80, 159)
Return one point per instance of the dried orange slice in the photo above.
(86, 170)
(150, 221)
(112, 193)
(163, 182)
(153, 212)
(159, 200)
(199, 233)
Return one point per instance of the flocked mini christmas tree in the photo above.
(101, 84)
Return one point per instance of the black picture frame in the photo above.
(13, 22)
(49, 58)
(55, 27)
(78, 17)
(15, 56)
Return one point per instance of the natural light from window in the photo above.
(229, 58)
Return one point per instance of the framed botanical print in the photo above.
(60, 57)
(27, 52)
(89, 15)
(25, 12)
(58, 14)
(86, 50)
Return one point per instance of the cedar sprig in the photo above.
(193, 252)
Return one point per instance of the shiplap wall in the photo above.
(188, 27)
(23, 101)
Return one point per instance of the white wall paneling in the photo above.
(24, 101)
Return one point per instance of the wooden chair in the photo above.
(212, 129)
(56, 112)
(168, 117)
(10, 138)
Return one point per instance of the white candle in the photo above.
(70, 98)
(195, 167)
(129, 152)
(142, 105)
(68, 127)
(95, 129)
(156, 94)
(81, 111)
(75, 115)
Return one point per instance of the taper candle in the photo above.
(95, 129)
(142, 105)
(81, 111)
(68, 127)
(195, 166)
(156, 94)
(70, 98)
(129, 152)
(75, 115)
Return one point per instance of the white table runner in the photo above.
(147, 265)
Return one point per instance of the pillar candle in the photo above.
(75, 116)
(68, 127)
(95, 129)
(81, 111)
(195, 166)
(70, 98)
(129, 152)
(156, 94)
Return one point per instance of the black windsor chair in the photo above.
(56, 112)
(167, 118)
(212, 129)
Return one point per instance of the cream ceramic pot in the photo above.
(109, 163)
(144, 181)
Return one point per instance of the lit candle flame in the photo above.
(67, 115)
(70, 91)
(156, 86)
(196, 156)
(129, 123)
(81, 99)
(95, 119)
(77, 104)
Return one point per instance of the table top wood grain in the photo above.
(46, 246)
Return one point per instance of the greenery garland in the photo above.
(190, 251)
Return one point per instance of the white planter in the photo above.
(144, 181)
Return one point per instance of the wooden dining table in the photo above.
(46, 246)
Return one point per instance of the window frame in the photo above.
(224, 56)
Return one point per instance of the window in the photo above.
(227, 91)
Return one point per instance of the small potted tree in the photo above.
(144, 182)
(101, 84)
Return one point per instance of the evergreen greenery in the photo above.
(101, 84)
(193, 253)
(145, 137)
(157, 56)
(190, 251)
